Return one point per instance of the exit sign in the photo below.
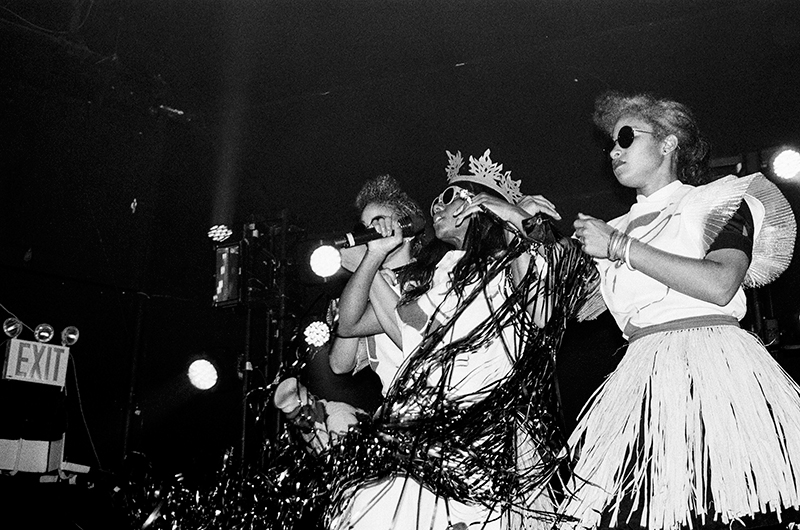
(36, 362)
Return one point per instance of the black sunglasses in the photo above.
(625, 137)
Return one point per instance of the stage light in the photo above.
(229, 271)
(785, 163)
(12, 327)
(44, 332)
(219, 233)
(317, 333)
(69, 336)
(202, 374)
(325, 261)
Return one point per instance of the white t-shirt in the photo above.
(671, 219)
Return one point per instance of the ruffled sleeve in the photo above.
(775, 228)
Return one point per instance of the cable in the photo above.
(15, 316)
(46, 30)
(83, 415)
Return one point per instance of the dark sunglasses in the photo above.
(450, 194)
(625, 137)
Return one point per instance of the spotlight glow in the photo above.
(202, 374)
(219, 233)
(317, 333)
(325, 261)
(786, 164)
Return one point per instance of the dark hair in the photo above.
(484, 238)
(666, 117)
(386, 191)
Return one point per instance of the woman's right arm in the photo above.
(714, 278)
(367, 304)
(356, 318)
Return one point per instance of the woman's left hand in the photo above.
(536, 204)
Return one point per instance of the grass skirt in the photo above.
(694, 426)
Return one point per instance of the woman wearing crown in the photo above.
(468, 434)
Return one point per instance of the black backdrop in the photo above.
(106, 192)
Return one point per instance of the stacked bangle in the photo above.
(616, 245)
(627, 256)
(619, 248)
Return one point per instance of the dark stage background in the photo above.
(132, 126)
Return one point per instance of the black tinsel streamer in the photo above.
(465, 453)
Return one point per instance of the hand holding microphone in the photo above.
(408, 226)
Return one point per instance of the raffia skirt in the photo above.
(696, 425)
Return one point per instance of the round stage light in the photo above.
(44, 332)
(69, 336)
(317, 333)
(12, 327)
(786, 163)
(325, 261)
(202, 374)
(219, 233)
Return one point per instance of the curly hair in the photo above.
(386, 191)
(666, 117)
(484, 238)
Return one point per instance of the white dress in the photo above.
(400, 502)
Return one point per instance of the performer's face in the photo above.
(445, 225)
(636, 154)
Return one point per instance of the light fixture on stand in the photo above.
(251, 275)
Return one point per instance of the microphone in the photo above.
(410, 227)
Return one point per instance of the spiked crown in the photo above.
(485, 172)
